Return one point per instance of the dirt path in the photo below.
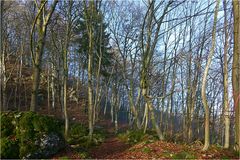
(109, 148)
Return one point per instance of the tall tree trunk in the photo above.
(145, 118)
(204, 81)
(106, 101)
(65, 64)
(53, 89)
(48, 87)
(225, 80)
(38, 56)
(236, 71)
(65, 91)
(2, 107)
(37, 59)
(20, 97)
(90, 90)
(89, 11)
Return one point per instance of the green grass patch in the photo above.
(136, 136)
(146, 150)
(183, 155)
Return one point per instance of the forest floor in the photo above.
(115, 148)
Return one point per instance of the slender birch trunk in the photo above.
(204, 82)
(225, 81)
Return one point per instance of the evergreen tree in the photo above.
(101, 42)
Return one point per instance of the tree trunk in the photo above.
(204, 81)
(53, 86)
(48, 87)
(106, 101)
(36, 81)
(225, 81)
(37, 60)
(145, 118)
(65, 91)
(90, 65)
(236, 71)
(1, 56)
(90, 97)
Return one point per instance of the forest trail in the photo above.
(111, 146)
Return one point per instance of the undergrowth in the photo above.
(135, 136)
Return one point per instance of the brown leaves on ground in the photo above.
(67, 153)
(166, 150)
(108, 149)
(113, 148)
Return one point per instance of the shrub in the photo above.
(132, 137)
(78, 136)
(135, 136)
(77, 131)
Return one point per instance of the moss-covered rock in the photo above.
(48, 145)
(30, 135)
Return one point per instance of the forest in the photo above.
(120, 79)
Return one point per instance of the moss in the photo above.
(132, 136)
(7, 127)
(26, 148)
(84, 155)
(146, 150)
(78, 136)
(77, 130)
(9, 148)
(27, 128)
(46, 124)
(63, 158)
(183, 155)
(98, 138)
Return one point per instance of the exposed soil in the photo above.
(67, 152)
(111, 147)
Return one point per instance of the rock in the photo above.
(48, 145)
